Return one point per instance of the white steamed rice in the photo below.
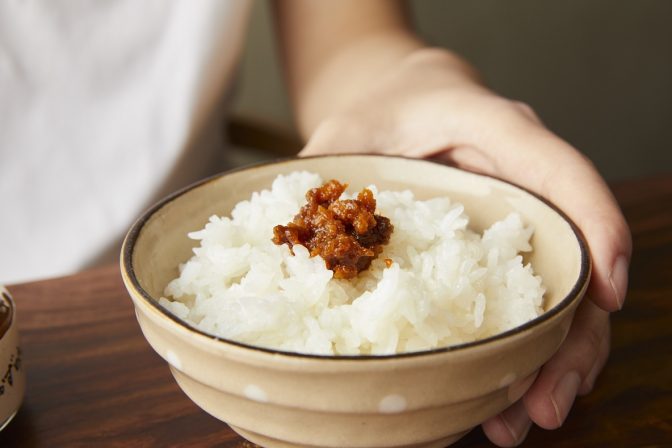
(447, 284)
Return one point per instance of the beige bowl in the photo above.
(426, 399)
(12, 373)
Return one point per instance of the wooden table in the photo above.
(94, 381)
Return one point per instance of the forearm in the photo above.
(334, 49)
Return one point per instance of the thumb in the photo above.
(526, 153)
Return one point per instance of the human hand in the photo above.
(431, 105)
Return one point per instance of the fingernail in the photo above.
(517, 422)
(526, 430)
(564, 394)
(618, 278)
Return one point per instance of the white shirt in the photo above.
(104, 107)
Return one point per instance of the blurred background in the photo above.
(598, 72)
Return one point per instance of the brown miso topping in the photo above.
(346, 233)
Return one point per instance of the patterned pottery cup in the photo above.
(12, 374)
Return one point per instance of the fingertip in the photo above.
(550, 399)
(563, 396)
(609, 285)
(610, 245)
(618, 279)
(602, 355)
(496, 431)
(510, 427)
(540, 408)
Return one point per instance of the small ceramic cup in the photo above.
(12, 373)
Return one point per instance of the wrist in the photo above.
(347, 72)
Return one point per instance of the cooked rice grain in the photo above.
(447, 284)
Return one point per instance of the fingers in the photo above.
(510, 427)
(602, 355)
(572, 370)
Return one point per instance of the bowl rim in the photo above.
(128, 246)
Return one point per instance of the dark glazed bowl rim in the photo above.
(133, 234)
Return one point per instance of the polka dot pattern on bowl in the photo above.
(392, 404)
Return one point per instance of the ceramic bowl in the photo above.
(12, 373)
(424, 399)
